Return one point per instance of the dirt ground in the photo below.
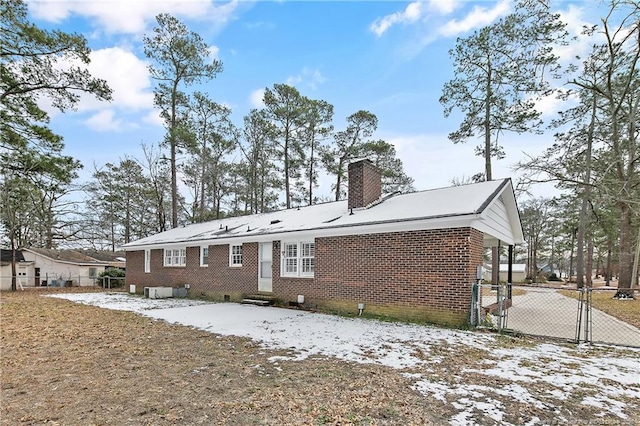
(70, 364)
(64, 363)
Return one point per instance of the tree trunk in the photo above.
(287, 190)
(636, 263)
(495, 265)
(14, 271)
(172, 143)
(311, 173)
(608, 267)
(339, 177)
(586, 196)
(573, 245)
(626, 252)
(487, 128)
(589, 263)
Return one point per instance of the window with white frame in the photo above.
(235, 255)
(175, 257)
(298, 259)
(147, 261)
(204, 256)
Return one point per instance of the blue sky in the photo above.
(388, 57)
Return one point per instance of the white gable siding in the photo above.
(495, 223)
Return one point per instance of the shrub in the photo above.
(108, 276)
(553, 277)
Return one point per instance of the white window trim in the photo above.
(178, 261)
(147, 261)
(299, 257)
(231, 255)
(202, 249)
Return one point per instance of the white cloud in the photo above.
(105, 121)
(550, 105)
(126, 74)
(574, 17)
(256, 98)
(478, 17)
(121, 16)
(293, 80)
(153, 118)
(411, 13)
(309, 77)
(443, 7)
(213, 52)
(433, 161)
(414, 12)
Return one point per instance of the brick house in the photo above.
(410, 256)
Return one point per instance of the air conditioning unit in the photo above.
(158, 292)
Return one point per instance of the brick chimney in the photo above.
(365, 183)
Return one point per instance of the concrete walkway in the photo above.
(545, 312)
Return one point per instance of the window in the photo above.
(307, 258)
(235, 255)
(93, 272)
(175, 257)
(290, 256)
(298, 259)
(204, 256)
(147, 261)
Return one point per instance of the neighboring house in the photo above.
(22, 269)
(44, 267)
(405, 255)
(547, 269)
(518, 272)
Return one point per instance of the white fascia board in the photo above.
(458, 221)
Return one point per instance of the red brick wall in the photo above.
(365, 184)
(424, 275)
(217, 279)
(417, 274)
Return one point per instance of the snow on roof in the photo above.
(430, 204)
(79, 256)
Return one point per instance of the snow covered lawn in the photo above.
(479, 377)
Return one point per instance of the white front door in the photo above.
(265, 255)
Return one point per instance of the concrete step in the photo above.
(257, 302)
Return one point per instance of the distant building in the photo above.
(45, 267)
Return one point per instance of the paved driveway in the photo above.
(543, 311)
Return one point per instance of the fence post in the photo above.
(584, 311)
(500, 306)
(587, 318)
(475, 303)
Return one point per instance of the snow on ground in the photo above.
(561, 371)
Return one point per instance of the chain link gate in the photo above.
(584, 313)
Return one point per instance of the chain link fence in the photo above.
(557, 312)
(54, 281)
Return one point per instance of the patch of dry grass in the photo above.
(515, 291)
(627, 310)
(71, 364)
